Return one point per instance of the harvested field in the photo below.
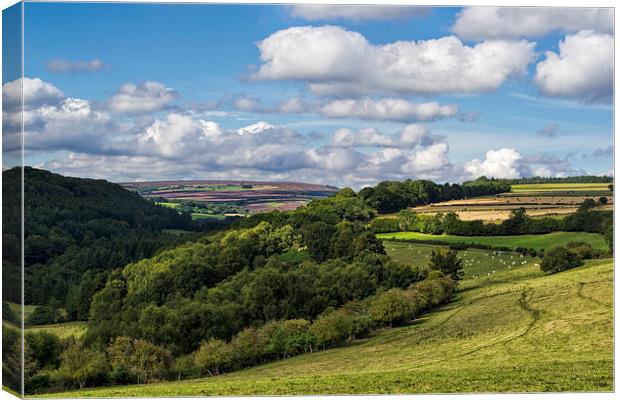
(498, 208)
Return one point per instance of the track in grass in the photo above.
(519, 331)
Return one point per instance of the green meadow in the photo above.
(518, 330)
(559, 187)
(543, 241)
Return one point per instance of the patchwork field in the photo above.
(519, 330)
(538, 242)
(477, 264)
(555, 199)
(232, 197)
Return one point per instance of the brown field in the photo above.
(255, 196)
(499, 208)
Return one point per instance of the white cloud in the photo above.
(245, 103)
(583, 69)
(36, 93)
(317, 12)
(60, 65)
(338, 62)
(411, 136)
(146, 97)
(433, 158)
(515, 22)
(387, 110)
(502, 163)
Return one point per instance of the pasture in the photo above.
(63, 331)
(538, 242)
(477, 264)
(518, 331)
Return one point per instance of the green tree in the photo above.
(213, 356)
(559, 259)
(447, 262)
(79, 365)
(144, 360)
(391, 306)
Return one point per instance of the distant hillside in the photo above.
(76, 230)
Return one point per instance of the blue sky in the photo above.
(148, 91)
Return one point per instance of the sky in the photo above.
(340, 95)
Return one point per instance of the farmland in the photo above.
(539, 200)
(476, 263)
(218, 199)
(538, 242)
(518, 331)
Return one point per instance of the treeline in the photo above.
(76, 231)
(585, 219)
(393, 196)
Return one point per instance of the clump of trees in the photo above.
(560, 259)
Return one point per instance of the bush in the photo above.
(8, 315)
(391, 306)
(559, 259)
(332, 327)
(45, 348)
(447, 262)
(43, 315)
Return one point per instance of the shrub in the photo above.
(43, 315)
(45, 348)
(447, 262)
(559, 259)
(602, 200)
(332, 327)
(391, 306)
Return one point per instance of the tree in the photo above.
(143, 360)
(212, 356)
(79, 365)
(391, 306)
(447, 262)
(559, 259)
(317, 236)
(602, 200)
(45, 348)
(609, 237)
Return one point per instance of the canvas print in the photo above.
(303, 199)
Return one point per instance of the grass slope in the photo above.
(517, 331)
(63, 331)
(544, 241)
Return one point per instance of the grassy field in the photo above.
(63, 331)
(477, 264)
(537, 242)
(559, 187)
(517, 331)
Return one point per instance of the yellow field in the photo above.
(559, 187)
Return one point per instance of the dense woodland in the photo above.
(269, 286)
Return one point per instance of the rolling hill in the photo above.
(516, 331)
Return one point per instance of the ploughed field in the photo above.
(554, 199)
(247, 197)
(515, 331)
(537, 242)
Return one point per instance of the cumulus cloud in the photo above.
(60, 65)
(387, 110)
(514, 22)
(409, 137)
(549, 130)
(583, 69)
(318, 12)
(35, 91)
(142, 98)
(51, 120)
(501, 163)
(335, 61)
